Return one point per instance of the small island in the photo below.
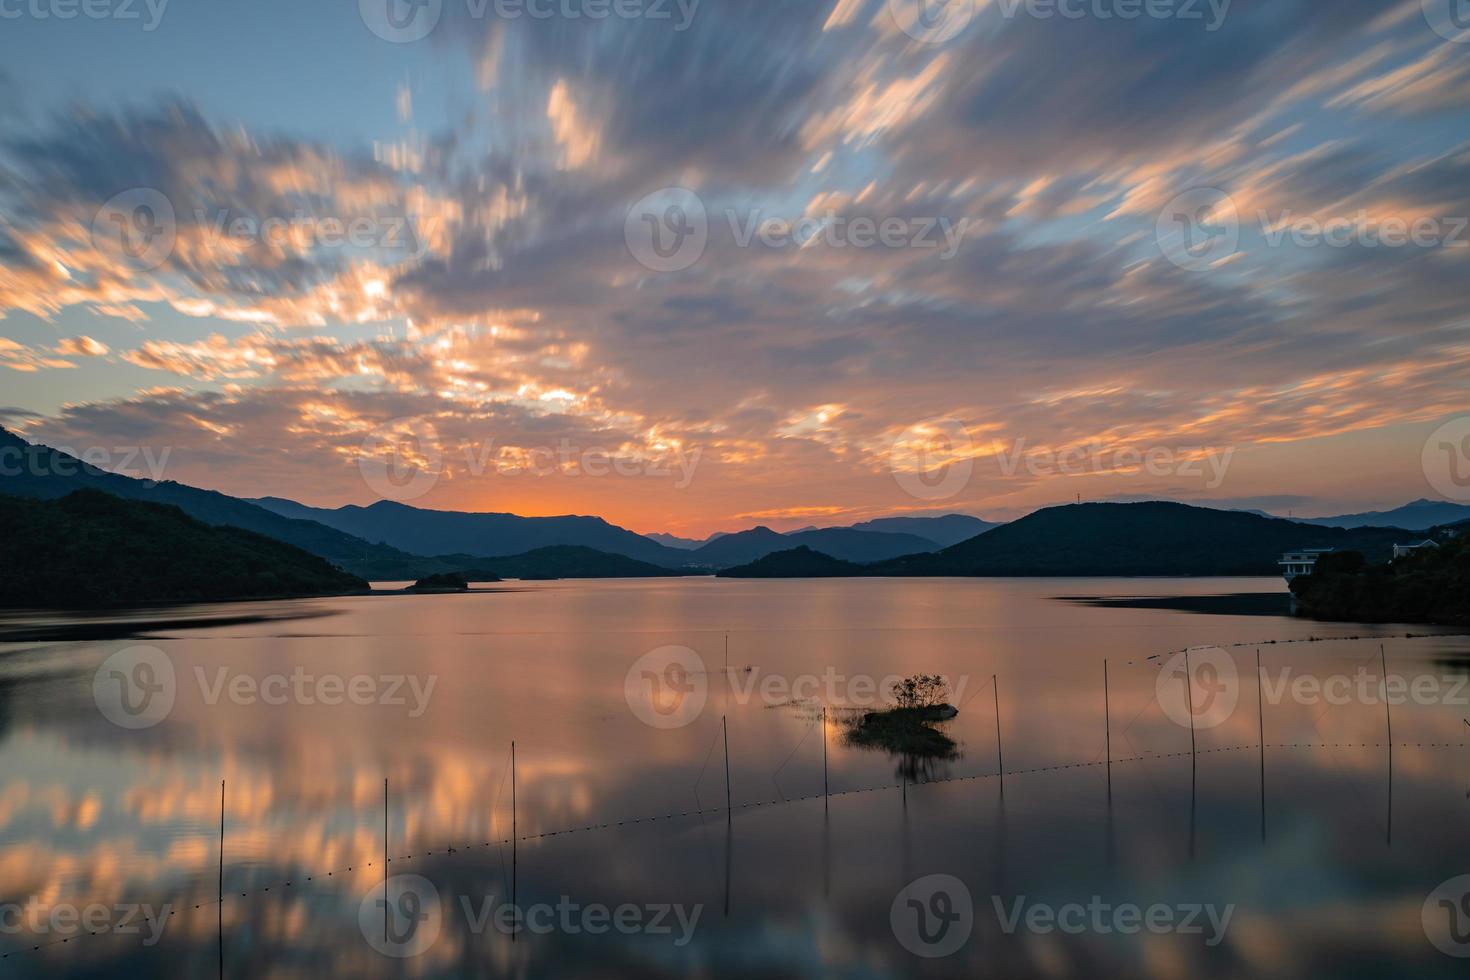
(441, 583)
(908, 728)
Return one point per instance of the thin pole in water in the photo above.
(1000, 762)
(1388, 718)
(513, 835)
(1108, 728)
(725, 727)
(1261, 714)
(1189, 703)
(385, 859)
(826, 791)
(220, 907)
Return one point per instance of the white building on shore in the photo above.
(1295, 563)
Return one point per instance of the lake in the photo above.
(1202, 850)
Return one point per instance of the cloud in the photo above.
(81, 347)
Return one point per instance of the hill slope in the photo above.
(50, 474)
(1138, 539)
(90, 549)
(796, 563)
(944, 531)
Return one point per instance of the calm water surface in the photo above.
(1323, 860)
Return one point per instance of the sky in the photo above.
(693, 266)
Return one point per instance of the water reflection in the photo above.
(93, 813)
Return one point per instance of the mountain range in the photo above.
(437, 532)
(1417, 515)
(395, 541)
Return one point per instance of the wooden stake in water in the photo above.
(385, 860)
(826, 791)
(1108, 729)
(1388, 718)
(514, 843)
(1261, 715)
(1189, 703)
(1000, 761)
(220, 908)
(725, 727)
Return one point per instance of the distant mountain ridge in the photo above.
(1158, 538)
(1416, 516)
(944, 531)
(435, 532)
(841, 543)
